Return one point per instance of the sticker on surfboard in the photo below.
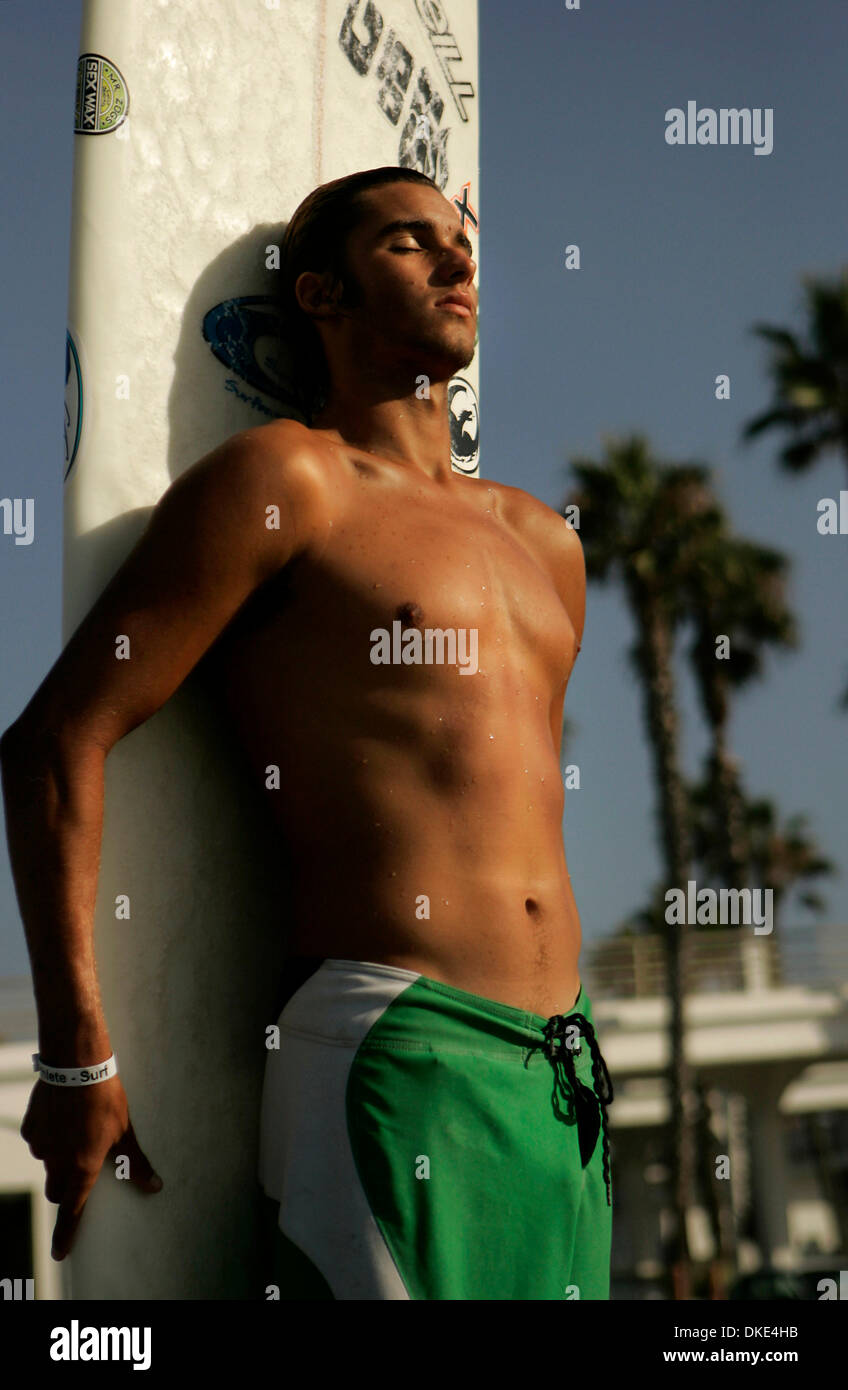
(73, 402)
(103, 98)
(245, 334)
(464, 424)
(467, 214)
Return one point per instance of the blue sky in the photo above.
(682, 250)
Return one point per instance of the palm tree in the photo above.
(781, 855)
(737, 592)
(642, 521)
(785, 856)
(810, 379)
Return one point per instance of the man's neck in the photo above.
(411, 431)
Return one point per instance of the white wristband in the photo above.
(75, 1076)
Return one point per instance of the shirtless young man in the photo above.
(433, 1123)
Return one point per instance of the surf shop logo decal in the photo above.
(73, 403)
(103, 98)
(464, 424)
(246, 335)
(447, 51)
(422, 143)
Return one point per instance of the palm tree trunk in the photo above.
(655, 659)
(730, 821)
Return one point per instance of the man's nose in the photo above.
(458, 261)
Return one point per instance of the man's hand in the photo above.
(72, 1132)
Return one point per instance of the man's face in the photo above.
(401, 272)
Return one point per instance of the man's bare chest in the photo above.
(420, 633)
(398, 565)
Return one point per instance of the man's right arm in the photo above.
(207, 547)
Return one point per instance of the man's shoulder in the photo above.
(538, 524)
(283, 459)
(554, 544)
(278, 471)
(285, 445)
(253, 452)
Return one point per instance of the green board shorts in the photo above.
(421, 1142)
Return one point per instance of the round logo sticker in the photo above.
(464, 425)
(102, 97)
(246, 334)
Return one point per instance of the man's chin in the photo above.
(437, 358)
(446, 360)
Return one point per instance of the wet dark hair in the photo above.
(316, 239)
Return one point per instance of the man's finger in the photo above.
(57, 1184)
(70, 1212)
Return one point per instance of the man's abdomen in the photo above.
(473, 894)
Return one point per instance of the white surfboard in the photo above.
(201, 125)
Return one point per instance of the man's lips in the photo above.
(460, 302)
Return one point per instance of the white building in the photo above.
(767, 1037)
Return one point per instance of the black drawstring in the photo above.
(586, 1104)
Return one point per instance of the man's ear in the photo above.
(316, 294)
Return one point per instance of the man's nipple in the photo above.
(410, 614)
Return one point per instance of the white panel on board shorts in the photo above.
(201, 125)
